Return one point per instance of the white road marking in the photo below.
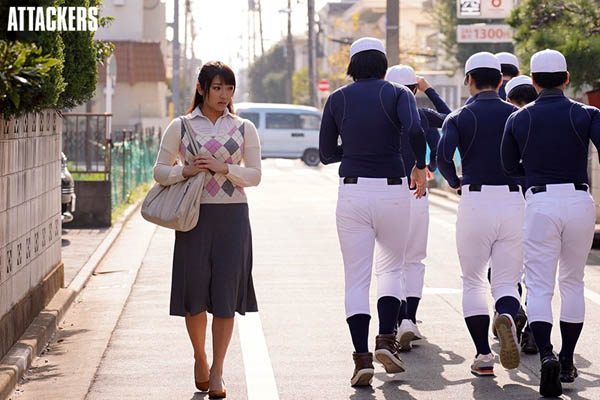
(260, 380)
(432, 290)
(592, 296)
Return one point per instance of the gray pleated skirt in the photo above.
(212, 264)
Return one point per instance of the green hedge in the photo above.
(67, 83)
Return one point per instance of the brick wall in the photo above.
(30, 205)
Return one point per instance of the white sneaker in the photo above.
(510, 354)
(407, 332)
(483, 365)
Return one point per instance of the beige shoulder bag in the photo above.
(176, 206)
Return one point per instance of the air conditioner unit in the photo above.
(119, 2)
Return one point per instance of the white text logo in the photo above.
(53, 19)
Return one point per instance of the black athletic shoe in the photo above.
(568, 372)
(550, 385)
(520, 322)
(528, 345)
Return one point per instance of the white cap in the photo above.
(548, 61)
(366, 43)
(508, 58)
(483, 59)
(517, 81)
(402, 74)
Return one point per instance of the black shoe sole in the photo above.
(550, 385)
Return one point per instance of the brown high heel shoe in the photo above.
(218, 394)
(201, 386)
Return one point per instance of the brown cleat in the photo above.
(387, 351)
(363, 369)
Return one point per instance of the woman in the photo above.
(373, 117)
(212, 263)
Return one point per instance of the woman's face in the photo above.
(219, 94)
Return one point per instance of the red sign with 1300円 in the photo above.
(484, 33)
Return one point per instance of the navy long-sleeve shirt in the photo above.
(430, 121)
(375, 118)
(502, 90)
(476, 129)
(548, 139)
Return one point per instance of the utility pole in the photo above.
(186, 28)
(175, 82)
(312, 55)
(392, 31)
(290, 56)
(262, 43)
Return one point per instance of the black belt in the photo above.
(477, 188)
(542, 188)
(390, 181)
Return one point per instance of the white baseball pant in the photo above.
(370, 213)
(489, 228)
(559, 227)
(416, 248)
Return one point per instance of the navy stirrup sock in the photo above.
(478, 328)
(403, 314)
(388, 308)
(508, 305)
(359, 329)
(412, 303)
(570, 334)
(541, 332)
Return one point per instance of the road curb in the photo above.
(40, 331)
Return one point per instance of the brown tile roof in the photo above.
(137, 62)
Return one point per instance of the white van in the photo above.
(285, 130)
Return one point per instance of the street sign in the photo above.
(484, 33)
(484, 9)
(324, 85)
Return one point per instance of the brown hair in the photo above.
(207, 74)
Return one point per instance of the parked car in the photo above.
(67, 191)
(285, 130)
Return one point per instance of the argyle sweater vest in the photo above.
(227, 147)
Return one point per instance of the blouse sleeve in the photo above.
(250, 173)
(166, 171)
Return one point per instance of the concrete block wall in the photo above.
(30, 205)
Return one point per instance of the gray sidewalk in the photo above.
(78, 245)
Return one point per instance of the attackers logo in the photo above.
(35, 19)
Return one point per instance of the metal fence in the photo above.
(125, 158)
(132, 158)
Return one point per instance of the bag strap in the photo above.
(188, 132)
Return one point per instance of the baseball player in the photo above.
(509, 64)
(548, 141)
(374, 198)
(490, 212)
(416, 251)
(520, 92)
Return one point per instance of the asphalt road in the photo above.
(118, 342)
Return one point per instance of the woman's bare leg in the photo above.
(222, 330)
(196, 327)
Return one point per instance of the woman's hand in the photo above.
(208, 162)
(190, 170)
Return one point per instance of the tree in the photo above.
(55, 69)
(446, 20)
(571, 27)
(267, 76)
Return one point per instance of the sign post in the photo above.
(484, 33)
(324, 85)
(484, 9)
